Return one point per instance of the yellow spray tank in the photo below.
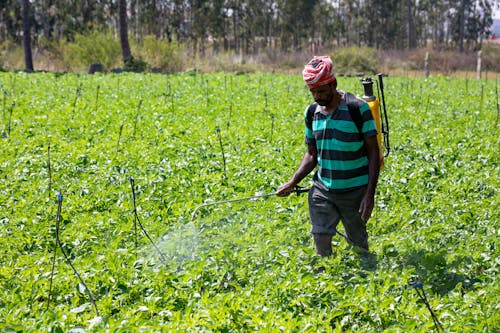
(382, 128)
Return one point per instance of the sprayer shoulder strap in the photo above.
(310, 112)
(354, 106)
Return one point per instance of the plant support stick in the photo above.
(96, 99)
(77, 95)
(137, 116)
(10, 118)
(49, 169)
(138, 221)
(498, 106)
(222, 150)
(119, 137)
(58, 243)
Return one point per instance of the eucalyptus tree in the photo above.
(333, 26)
(218, 15)
(248, 26)
(431, 14)
(124, 43)
(10, 23)
(461, 23)
(294, 22)
(411, 25)
(468, 20)
(478, 23)
(197, 21)
(386, 22)
(28, 57)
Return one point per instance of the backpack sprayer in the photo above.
(381, 120)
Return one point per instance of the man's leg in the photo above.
(323, 243)
(356, 232)
(324, 219)
(354, 226)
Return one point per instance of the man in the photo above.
(347, 156)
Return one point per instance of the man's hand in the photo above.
(366, 206)
(286, 189)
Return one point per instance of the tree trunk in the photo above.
(28, 58)
(125, 46)
(138, 24)
(462, 26)
(411, 43)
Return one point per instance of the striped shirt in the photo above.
(342, 155)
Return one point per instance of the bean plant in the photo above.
(247, 265)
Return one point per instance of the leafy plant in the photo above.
(161, 54)
(95, 47)
(245, 265)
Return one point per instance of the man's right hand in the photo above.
(286, 189)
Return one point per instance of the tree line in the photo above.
(250, 26)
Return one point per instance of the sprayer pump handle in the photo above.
(299, 190)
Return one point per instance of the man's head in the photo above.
(318, 72)
(320, 79)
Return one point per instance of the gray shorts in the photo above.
(326, 209)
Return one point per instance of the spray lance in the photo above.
(297, 190)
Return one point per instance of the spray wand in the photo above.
(297, 190)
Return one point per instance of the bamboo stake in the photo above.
(58, 243)
(222, 150)
(119, 137)
(49, 169)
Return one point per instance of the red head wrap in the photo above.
(318, 72)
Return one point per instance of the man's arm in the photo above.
(307, 165)
(368, 201)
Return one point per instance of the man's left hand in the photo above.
(366, 206)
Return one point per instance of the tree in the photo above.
(461, 23)
(248, 26)
(28, 58)
(125, 46)
(411, 27)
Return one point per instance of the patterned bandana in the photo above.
(318, 72)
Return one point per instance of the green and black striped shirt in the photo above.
(342, 154)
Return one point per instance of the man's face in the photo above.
(323, 95)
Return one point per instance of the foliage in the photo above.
(353, 60)
(92, 48)
(491, 57)
(247, 25)
(135, 65)
(161, 54)
(250, 265)
(11, 55)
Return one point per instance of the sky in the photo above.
(496, 11)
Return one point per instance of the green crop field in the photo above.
(187, 140)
